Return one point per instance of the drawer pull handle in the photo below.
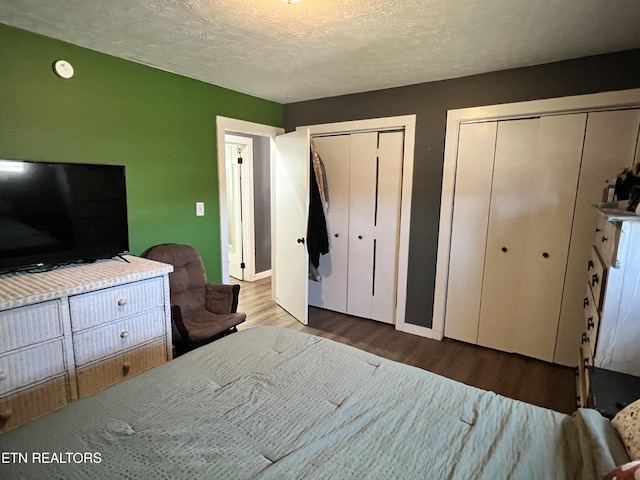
(595, 280)
(126, 368)
(590, 265)
(605, 239)
(590, 323)
(504, 249)
(585, 302)
(124, 334)
(598, 230)
(545, 255)
(584, 338)
(122, 302)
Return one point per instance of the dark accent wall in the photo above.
(430, 102)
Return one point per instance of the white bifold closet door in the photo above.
(511, 230)
(364, 176)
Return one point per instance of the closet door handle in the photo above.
(360, 237)
(300, 240)
(336, 235)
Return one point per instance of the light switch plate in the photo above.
(199, 209)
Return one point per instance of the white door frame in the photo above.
(408, 123)
(553, 106)
(246, 180)
(224, 124)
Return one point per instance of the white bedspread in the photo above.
(272, 403)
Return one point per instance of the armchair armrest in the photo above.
(222, 298)
(178, 330)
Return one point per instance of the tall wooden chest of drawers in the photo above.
(611, 337)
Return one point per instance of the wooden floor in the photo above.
(514, 376)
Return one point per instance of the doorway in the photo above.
(239, 173)
(255, 200)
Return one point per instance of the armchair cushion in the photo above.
(202, 324)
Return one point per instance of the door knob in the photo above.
(545, 255)
(360, 237)
(300, 240)
(336, 235)
(504, 249)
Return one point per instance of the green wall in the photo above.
(161, 126)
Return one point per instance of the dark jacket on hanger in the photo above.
(317, 237)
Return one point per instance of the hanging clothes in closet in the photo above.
(317, 237)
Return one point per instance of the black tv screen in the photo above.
(56, 213)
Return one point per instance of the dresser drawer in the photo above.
(27, 325)
(98, 342)
(104, 374)
(26, 405)
(591, 322)
(95, 308)
(30, 364)
(606, 240)
(583, 376)
(596, 275)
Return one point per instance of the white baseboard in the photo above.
(261, 275)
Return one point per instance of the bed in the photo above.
(274, 403)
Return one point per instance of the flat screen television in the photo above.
(57, 213)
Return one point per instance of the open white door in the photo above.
(290, 215)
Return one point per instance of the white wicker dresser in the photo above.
(69, 332)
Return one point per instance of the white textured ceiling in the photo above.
(321, 48)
